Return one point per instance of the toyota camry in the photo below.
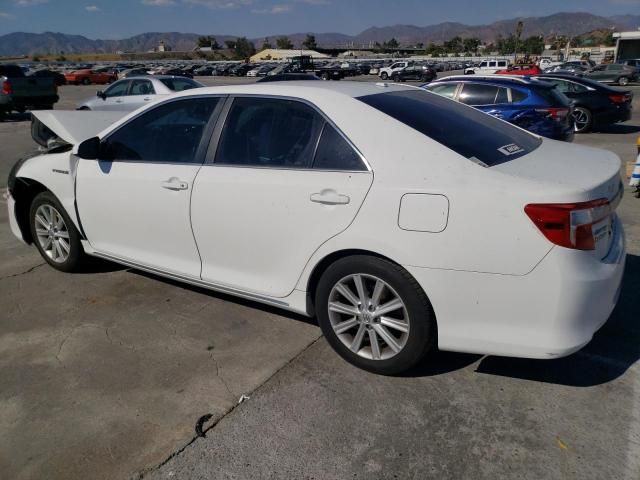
(402, 220)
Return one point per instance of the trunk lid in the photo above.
(566, 173)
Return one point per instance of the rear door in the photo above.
(140, 93)
(282, 182)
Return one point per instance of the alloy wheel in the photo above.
(52, 233)
(581, 119)
(368, 316)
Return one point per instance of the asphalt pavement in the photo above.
(106, 375)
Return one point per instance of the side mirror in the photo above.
(89, 149)
(101, 95)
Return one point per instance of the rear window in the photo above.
(475, 135)
(180, 84)
(554, 96)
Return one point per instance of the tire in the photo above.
(326, 77)
(86, 81)
(68, 256)
(623, 81)
(411, 325)
(384, 76)
(583, 119)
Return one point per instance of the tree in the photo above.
(231, 44)
(471, 45)
(204, 41)
(244, 48)
(283, 43)
(266, 44)
(214, 43)
(310, 42)
(391, 44)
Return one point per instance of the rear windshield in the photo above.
(469, 132)
(180, 84)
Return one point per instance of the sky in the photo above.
(114, 19)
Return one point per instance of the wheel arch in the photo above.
(24, 191)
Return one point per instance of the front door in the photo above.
(140, 93)
(283, 182)
(134, 201)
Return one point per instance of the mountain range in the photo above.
(565, 23)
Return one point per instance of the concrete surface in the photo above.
(104, 375)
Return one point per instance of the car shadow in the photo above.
(618, 129)
(229, 298)
(613, 350)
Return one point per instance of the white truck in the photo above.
(487, 67)
(386, 72)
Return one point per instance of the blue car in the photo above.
(534, 105)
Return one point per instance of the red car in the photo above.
(87, 77)
(521, 70)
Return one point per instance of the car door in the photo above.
(133, 202)
(113, 97)
(140, 93)
(282, 182)
(599, 73)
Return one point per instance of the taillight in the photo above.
(619, 98)
(569, 224)
(557, 114)
(6, 88)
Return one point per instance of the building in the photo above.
(627, 45)
(280, 54)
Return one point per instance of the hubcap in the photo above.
(581, 119)
(52, 233)
(368, 316)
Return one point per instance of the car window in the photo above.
(118, 89)
(168, 133)
(502, 64)
(141, 87)
(335, 153)
(446, 90)
(269, 133)
(518, 95)
(492, 64)
(483, 64)
(471, 133)
(180, 84)
(478, 94)
(502, 96)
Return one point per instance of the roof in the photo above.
(304, 88)
(511, 79)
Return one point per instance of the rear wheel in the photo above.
(582, 119)
(384, 76)
(374, 314)
(54, 234)
(325, 76)
(623, 81)
(86, 81)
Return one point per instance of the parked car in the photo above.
(567, 68)
(174, 72)
(384, 264)
(132, 93)
(58, 78)
(19, 92)
(634, 63)
(488, 67)
(133, 72)
(531, 104)
(385, 72)
(282, 77)
(595, 104)
(87, 77)
(416, 73)
(613, 73)
(520, 70)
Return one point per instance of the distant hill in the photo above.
(571, 24)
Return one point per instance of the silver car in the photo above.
(131, 93)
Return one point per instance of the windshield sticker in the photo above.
(511, 149)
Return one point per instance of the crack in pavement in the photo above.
(146, 471)
(29, 270)
(224, 382)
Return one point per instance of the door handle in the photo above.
(146, 99)
(330, 197)
(175, 183)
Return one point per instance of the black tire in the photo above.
(384, 76)
(76, 258)
(86, 81)
(422, 335)
(583, 119)
(623, 81)
(325, 76)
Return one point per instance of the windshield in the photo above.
(469, 132)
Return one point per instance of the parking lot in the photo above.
(105, 375)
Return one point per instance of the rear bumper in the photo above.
(613, 116)
(551, 312)
(32, 101)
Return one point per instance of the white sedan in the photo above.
(134, 92)
(404, 221)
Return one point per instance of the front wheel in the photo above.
(582, 119)
(86, 81)
(374, 314)
(384, 76)
(54, 234)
